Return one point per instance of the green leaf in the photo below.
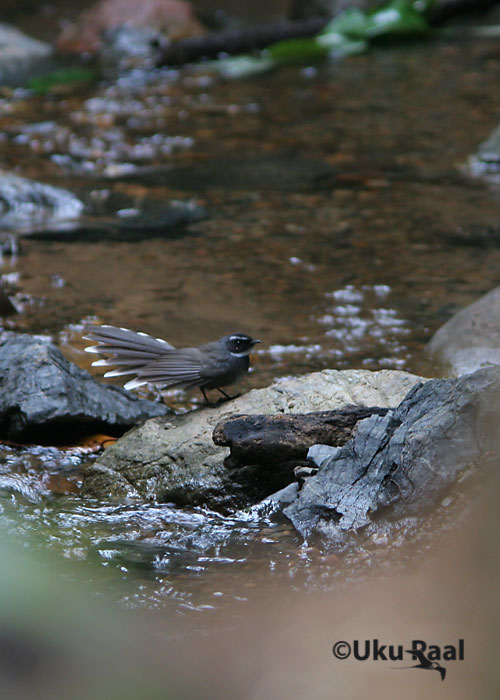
(62, 77)
(243, 66)
(353, 23)
(396, 18)
(350, 32)
(291, 50)
(339, 45)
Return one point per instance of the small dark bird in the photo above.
(425, 662)
(154, 361)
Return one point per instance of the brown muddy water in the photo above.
(339, 230)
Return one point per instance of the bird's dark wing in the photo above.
(175, 368)
(129, 350)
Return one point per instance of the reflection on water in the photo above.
(363, 327)
(352, 327)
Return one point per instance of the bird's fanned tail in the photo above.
(150, 359)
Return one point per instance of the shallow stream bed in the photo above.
(340, 230)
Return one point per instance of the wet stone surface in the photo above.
(46, 399)
(176, 459)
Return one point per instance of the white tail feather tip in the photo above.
(118, 372)
(134, 383)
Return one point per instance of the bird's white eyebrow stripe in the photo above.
(237, 337)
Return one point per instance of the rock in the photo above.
(20, 55)
(401, 464)
(477, 235)
(8, 244)
(44, 397)
(486, 160)
(242, 171)
(126, 48)
(32, 208)
(26, 204)
(175, 458)
(276, 501)
(151, 219)
(174, 18)
(471, 338)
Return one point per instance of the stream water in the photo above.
(340, 230)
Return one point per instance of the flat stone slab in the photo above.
(175, 458)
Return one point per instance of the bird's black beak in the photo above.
(254, 342)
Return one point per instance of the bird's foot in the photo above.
(226, 397)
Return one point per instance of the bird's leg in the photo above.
(209, 403)
(228, 397)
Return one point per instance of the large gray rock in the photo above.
(401, 464)
(43, 395)
(26, 205)
(471, 338)
(175, 458)
(125, 47)
(485, 162)
(20, 54)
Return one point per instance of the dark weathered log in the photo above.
(236, 41)
(275, 439)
